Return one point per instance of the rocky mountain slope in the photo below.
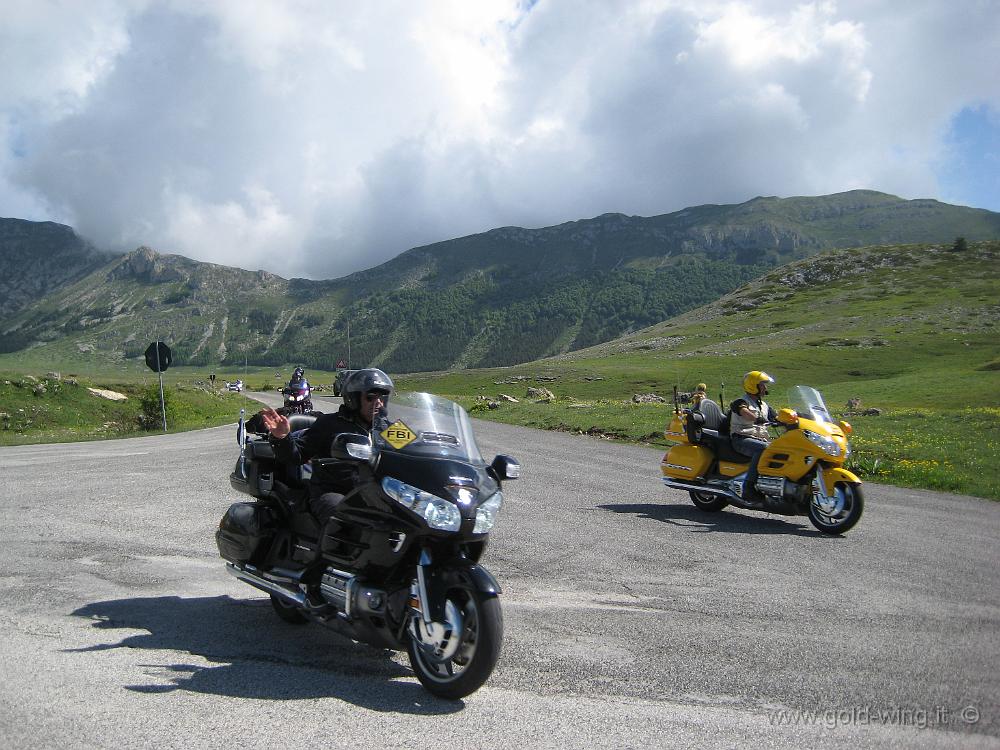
(37, 258)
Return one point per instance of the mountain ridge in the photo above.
(499, 297)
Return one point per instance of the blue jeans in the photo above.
(751, 447)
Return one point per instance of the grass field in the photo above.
(47, 409)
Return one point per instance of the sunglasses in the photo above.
(376, 396)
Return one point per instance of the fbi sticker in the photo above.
(398, 435)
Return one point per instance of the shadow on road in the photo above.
(693, 519)
(258, 655)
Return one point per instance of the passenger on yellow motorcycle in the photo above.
(748, 420)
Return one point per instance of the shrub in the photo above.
(150, 414)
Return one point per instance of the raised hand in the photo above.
(277, 424)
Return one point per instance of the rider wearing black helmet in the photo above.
(366, 395)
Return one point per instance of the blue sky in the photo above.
(970, 175)
(319, 137)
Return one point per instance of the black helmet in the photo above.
(363, 381)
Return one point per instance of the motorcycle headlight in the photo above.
(828, 444)
(439, 513)
(486, 514)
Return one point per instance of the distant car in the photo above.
(338, 383)
(236, 386)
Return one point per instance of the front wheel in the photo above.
(708, 502)
(454, 658)
(840, 512)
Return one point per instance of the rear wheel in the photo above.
(454, 658)
(839, 512)
(708, 502)
(288, 611)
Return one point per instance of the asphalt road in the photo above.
(632, 619)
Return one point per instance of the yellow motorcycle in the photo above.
(800, 473)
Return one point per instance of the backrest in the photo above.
(692, 426)
(712, 413)
(300, 421)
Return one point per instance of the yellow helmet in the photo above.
(753, 379)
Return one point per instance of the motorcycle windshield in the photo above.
(807, 402)
(423, 424)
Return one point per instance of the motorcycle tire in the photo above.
(477, 654)
(846, 518)
(707, 502)
(288, 612)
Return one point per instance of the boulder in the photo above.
(110, 395)
(647, 398)
(541, 394)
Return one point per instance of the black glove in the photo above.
(760, 420)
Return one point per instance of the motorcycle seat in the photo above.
(304, 524)
(721, 446)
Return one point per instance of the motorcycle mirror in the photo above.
(241, 429)
(788, 417)
(349, 446)
(506, 467)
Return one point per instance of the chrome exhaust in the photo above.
(732, 496)
(270, 587)
(706, 488)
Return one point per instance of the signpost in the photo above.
(158, 360)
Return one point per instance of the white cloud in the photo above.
(316, 138)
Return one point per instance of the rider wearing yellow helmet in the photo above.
(749, 415)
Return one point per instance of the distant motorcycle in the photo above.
(397, 566)
(800, 473)
(297, 397)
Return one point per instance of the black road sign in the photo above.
(158, 356)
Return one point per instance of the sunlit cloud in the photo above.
(315, 138)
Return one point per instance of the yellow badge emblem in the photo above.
(398, 435)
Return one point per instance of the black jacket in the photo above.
(314, 442)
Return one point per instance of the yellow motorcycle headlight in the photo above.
(827, 444)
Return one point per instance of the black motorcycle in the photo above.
(297, 397)
(398, 564)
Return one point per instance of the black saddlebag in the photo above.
(254, 473)
(244, 530)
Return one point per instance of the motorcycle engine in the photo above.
(780, 488)
(335, 587)
(349, 595)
